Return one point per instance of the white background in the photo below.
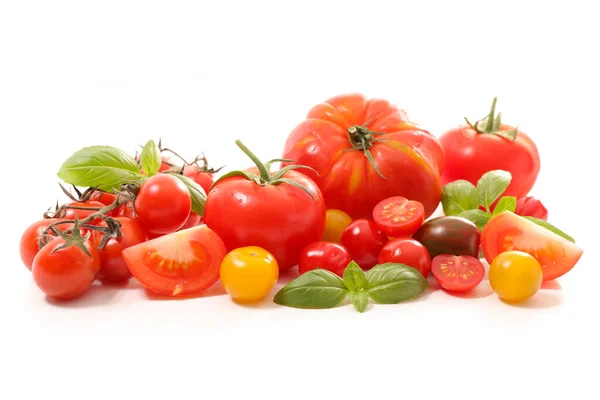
(201, 75)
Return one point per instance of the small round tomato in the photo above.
(364, 242)
(163, 204)
(65, 273)
(325, 255)
(515, 276)
(457, 273)
(112, 266)
(103, 197)
(178, 264)
(249, 273)
(83, 211)
(201, 177)
(335, 223)
(398, 217)
(449, 235)
(408, 252)
(531, 207)
(29, 246)
(193, 220)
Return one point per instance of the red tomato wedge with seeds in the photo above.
(178, 264)
(398, 217)
(457, 273)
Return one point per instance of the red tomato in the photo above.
(181, 263)
(65, 273)
(70, 213)
(103, 197)
(508, 231)
(457, 273)
(409, 158)
(112, 265)
(470, 154)
(202, 178)
(325, 255)
(398, 217)
(364, 241)
(163, 204)
(193, 220)
(532, 207)
(29, 246)
(409, 252)
(127, 211)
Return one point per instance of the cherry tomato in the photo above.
(325, 255)
(128, 211)
(29, 240)
(103, 197)
(398, 217)
(163, 204)
(515, 276)
(70, 213)
(65, 273)
(457, 273)
(409, 252)
(202, 178)
(249, 273)
(178, 264)
(335, 223)
(193, 220)
(532, 207)
(508, 231)
(364, 242)
(449, 235)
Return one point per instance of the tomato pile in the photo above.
(349, 206)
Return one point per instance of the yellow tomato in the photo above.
(249, 273)
(335, 223)
(515, 276)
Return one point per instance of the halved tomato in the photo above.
(508, 231)
(398, 217)
(457, 273)
(178, 264)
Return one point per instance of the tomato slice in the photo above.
(508, 231)
(178, 264)
(457, 273)
(398, 217)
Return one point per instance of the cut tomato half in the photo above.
(508, 231)
(457, 273)
(398, 217)
(178, 264)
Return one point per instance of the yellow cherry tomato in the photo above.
(335, 223)
(249, 273)
(515, 276)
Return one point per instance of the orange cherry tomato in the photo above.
(335, 223)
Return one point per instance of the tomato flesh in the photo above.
(398, 217)
(457, 273)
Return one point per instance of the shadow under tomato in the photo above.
(96, 296)
(482, 290)
(215, 290)
(287, 275)
(264, 304)
(539, 300)
(552, 285)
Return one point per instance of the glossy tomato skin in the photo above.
(281, 219)
(532, 207)
(515, 276)
(112, 265)
(202, 178)
(469, 155)
(410, 158)
(364, 241)
(325, 255)
(28, 246)
(336, 221)
(409, 252)
(103, 197)
(249, 273)
(449, 235)
(398, 217)
(458, 274)
(193, 220)
(71, 213)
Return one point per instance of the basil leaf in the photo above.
(478, 217)
(360, 300)
(150, 158)
(550, 227)
(103, 167)
(392, 283)
(459, 196)
(354, 277)
(491, 185)
(506, 203)
(196, 192)
(318, 288)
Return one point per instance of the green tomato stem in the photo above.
(265, 175)
(490, 119)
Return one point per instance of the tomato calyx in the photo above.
(491, 124)
(362, 138)
(204, 167)
(71, 239)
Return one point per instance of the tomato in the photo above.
(515, 276)
(127, 211)
(471, 153)
(325, 255)
(201, 177)
(508, 231)
(249, 273)
(338, 137)
(532, 207)
(398, 217)
(103, 197)
(408, 252)
(193, 220)
(364, 241)
(457, 273)
(112, 265)
(65, 273)
(335, 223)
(177, 264)
(163, 204)
(449, 235)
(94, 206)
(29, 246)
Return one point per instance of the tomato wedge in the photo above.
(457, 273)
(178, 264)
(508, 231)
(398, 217)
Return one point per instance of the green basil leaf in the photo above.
(392, 283)
(506, 203)
(478, 217)
(197, 193)
(550, 227)
(491, 185)
(354, 277)
(459, 196)
(360, 300)
(103, 167)
(318, 288)
(150, 158)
